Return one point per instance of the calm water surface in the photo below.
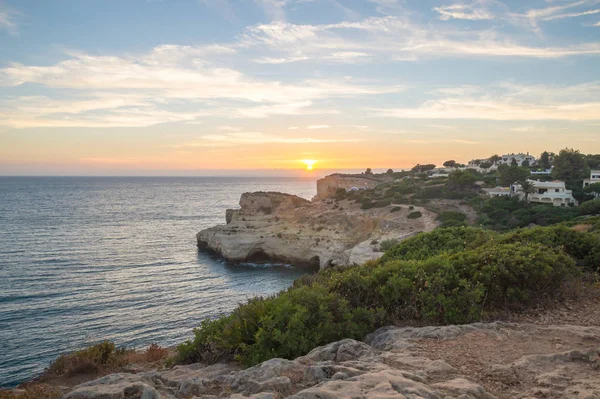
(87, 259)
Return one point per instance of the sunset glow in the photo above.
(237, 85)
(310, 163)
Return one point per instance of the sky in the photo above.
(185, 87)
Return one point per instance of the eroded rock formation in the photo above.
(276, 227)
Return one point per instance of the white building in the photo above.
(594, 178)
(520, 158)
(545, 192)
(497, 192)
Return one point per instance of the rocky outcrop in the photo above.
(327, 186)
(283, 228)
(513, 361)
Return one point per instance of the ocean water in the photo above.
(83, 259)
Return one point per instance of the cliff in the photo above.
(275, 227)
(327, 186)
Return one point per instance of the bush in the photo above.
(287, 326)
(396, 209)
(452, 219)
(439, 241)
(414, 215)
(388, 244)
(583, 247)
(460, 287)
(99, 357)
(590, 207)
(509, 213)
(88, 360)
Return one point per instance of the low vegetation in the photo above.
(451, 275)
(101, 358)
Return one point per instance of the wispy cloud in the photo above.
(508, 102)
(8, 17)
(393, 38)
(256, 138)
(474, 11)
(313, 127)
(138, 90)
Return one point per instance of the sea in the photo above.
(86, 259)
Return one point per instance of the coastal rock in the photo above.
(473, 361)
(115, 386)
(283, 228)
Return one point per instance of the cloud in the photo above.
(229, 128)
(392, 38)
(256, 138)
(473, 12)
(510, 103)
(8, 19)
(145, 89)
(314, 127)
(554, 12)
(528, 129)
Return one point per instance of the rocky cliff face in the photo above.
(477, 361)
(275, 227)
(327, 186)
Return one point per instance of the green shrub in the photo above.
(439, 241)
(396, 209)
(414, 215)
(452, 219)
(583, 247)
(459, 287)
(590, 207)
(287, 326)
(388, 244)
(503, 214)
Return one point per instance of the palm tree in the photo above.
(494, 159)
(527, 187)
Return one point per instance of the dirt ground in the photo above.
(548, 332)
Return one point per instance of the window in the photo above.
(557, 190)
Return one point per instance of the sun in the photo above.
(310, 163)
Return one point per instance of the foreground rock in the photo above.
(275, 227)
(478, 361)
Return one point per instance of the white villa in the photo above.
(546, 192)
(520, 158)
(594, 178)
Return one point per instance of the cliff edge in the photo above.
(284, 228)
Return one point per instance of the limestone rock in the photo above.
(283, 228)
(115, 386)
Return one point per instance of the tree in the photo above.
(514, 162)
(592, 188)
(450, 164)
(513, 174)
(368, 171)
(527, 187)
(390, 172)
(525, 164)
(485, 165)
(495, 158)
(593, 161)
(545, 160)
(570, 166)
(461, 179)
(423, 168)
